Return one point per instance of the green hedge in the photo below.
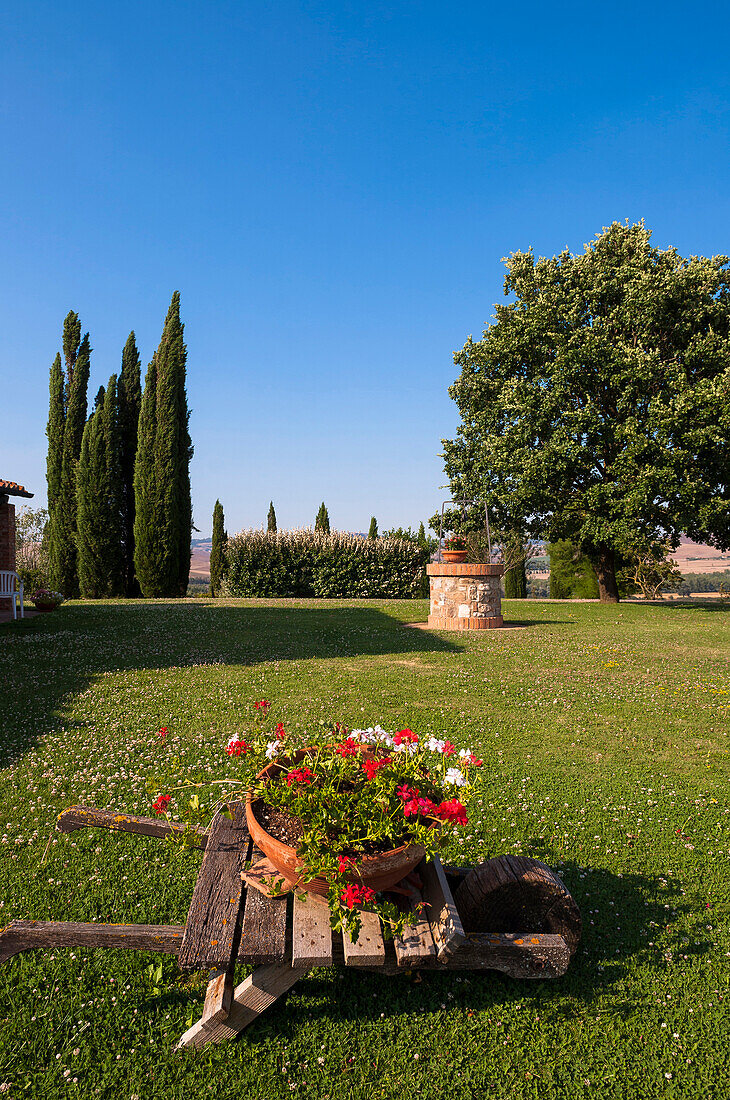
(311, 563)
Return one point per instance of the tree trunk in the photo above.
(604, 563)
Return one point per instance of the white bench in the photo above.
(11, 588)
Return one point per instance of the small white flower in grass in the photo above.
(453, 775)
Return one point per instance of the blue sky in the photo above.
(331, 187)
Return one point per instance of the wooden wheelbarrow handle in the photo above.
(25, 935)
(80, 817)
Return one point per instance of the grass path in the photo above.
(604, 736)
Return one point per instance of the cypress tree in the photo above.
(562, 569)
(71, 344)
(63, 544)
(322, 522)
(373, 530)
(98, 496)
(146, 551)
(515, 582)
(217, 549)
(271, 521)
(129, 398)
(164, 514)
(54, 431)
(421, 539)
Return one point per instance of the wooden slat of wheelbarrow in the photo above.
(415, 947)
(263, 934)
(311, 932)
(211, 931)
(370, 948)
(448, 931)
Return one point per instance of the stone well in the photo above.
(465, 597)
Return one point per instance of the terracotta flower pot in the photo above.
(453, 556)
(379, 872)
(45, 606)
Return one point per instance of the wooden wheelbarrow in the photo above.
(510, 914)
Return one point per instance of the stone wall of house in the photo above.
(465, 597)
(7, 533)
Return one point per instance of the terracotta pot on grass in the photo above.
(379, 872)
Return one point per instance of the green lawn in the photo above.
(604, 736)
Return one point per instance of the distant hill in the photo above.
(200, 558)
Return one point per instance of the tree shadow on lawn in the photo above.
(616, 940)
(51, 658)
(692, 605)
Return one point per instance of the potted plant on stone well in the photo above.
(347, 814)
(454, 549)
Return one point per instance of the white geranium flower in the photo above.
(434, 745)
(405, 747)
(453, 775)
(465, 754)
(272, 749)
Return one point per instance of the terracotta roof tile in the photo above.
(12, 489)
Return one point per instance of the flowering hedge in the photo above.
(310, 563)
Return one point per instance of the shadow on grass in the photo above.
(721, 607)
(622, 917)
(49, 658)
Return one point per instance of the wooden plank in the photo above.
(82, 817)
(263, 933)
(212, 927)
(530, 955)
(26, 935)
(311, 932)
(218, 997)
(252, 997)
(370, 948)
(443, 916)
(415, 947)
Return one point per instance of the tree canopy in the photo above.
(598, 403)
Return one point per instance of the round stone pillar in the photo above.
(465, 597)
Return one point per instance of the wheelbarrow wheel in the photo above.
(517, 894)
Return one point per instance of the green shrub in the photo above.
(32, 579)
(313, 563)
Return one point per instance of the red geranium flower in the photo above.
(371, 766)
(452, 811)
(236, 748)
(299, 775)
(345, 864)
(350, 747)
(162, 734)
(280, 731)
(355, 894)
(263, 704)
(426, 806)
(160, 806)
(407, 737)
(405, 792)
(448, 749)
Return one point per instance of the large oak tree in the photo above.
(597, 407)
